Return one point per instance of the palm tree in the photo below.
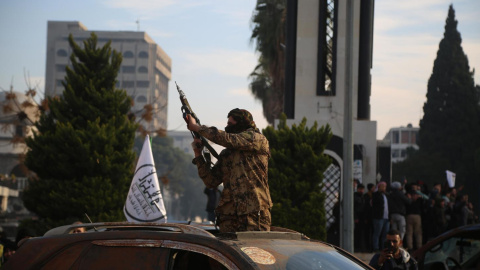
(268, 77)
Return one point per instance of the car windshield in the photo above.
(309, 255)
(461, 249)
(320, 260)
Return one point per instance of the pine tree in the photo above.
(450, 125)
(82, 151)
(295, 174)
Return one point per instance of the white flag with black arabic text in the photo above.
(450, 178)
(144, 200)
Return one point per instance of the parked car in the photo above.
(456, 249)
(176, 246)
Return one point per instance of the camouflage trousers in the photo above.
(258, 221)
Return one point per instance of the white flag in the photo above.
(144, 200)
(450, 178)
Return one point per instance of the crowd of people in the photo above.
(416, 212)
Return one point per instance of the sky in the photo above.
(212, 55)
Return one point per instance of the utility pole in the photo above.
(346, 229)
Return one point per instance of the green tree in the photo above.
(415, 168)
(82, 151)
(295, 176)
(268, 77)
(450, 127)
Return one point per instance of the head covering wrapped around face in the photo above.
(244, 121)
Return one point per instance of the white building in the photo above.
(182, 140)
(317, 48)
(400, 139)
(316, 71)
(13, 130)
(144, 74)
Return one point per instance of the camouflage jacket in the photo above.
(242, 167)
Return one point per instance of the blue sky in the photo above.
(209, 43)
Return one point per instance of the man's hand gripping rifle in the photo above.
(187, 110)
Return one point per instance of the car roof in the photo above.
(246, 250)
(471, 231)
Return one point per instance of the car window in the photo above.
(312, 260)
(182, 260)
(459, 248)
(66, 258)
(90, 256)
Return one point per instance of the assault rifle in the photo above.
(186, 109)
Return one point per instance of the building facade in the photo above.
(400, 139)
(13, 130)
(316, 71)
(182, 140)
(317, 50)
(144, 73)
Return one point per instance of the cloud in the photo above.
(140, 6)
(148, 10)
(125, 25)
(221, 61)
(410, 14)
(244, 92)
(236, 16)
(37, 82)
(158, 33)
(404, 62)
(236, 13)
(393, 107)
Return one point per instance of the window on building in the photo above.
(128, 84)
(143, 83)
(403, 153)
(19, 131)
(128, 69)
(142, 69)
(395, 137)
(405, 136)
(59, 83)
(414, 137)
(62, 53)
(128, 54)
(60, 68)
(395, 153)
(143, 54)
(142, 99)
(326, 48)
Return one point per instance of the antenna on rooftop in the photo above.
(138, 24)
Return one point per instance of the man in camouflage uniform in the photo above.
(242, 167)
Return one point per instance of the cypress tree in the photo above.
(82, 151)
(450, 125)
(295, 173)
